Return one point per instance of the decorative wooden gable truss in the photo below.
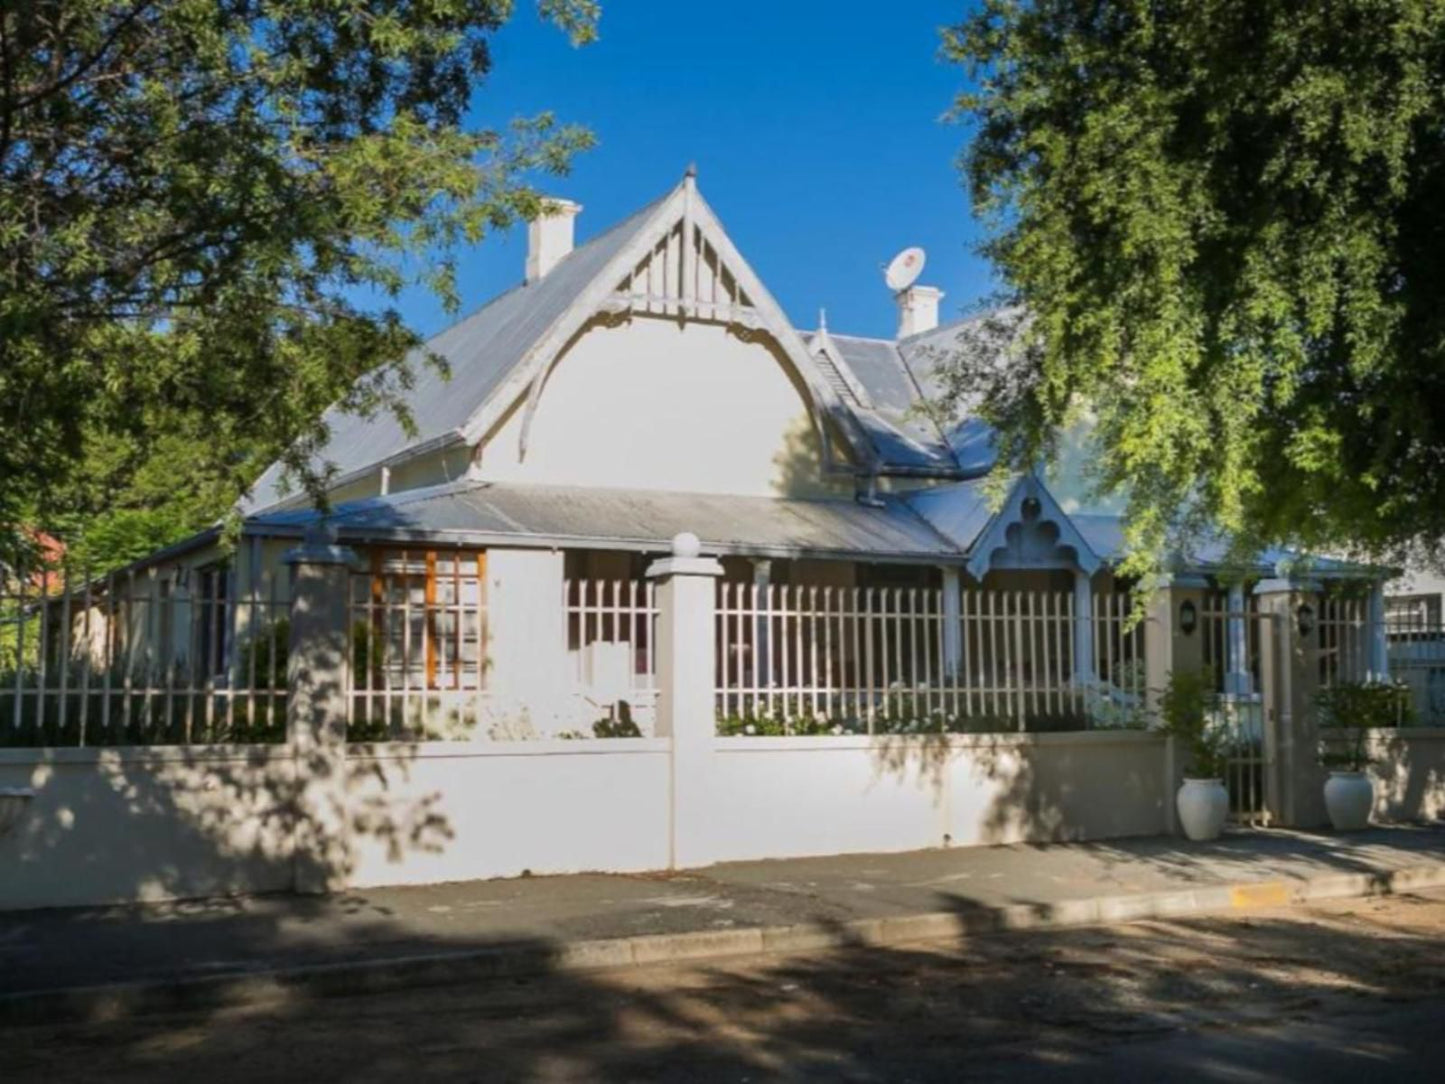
(1031, 531)
(680, 264)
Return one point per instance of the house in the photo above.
(1417, 596)
(646, 506)
(638, 386)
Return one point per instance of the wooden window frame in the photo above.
(431, 631)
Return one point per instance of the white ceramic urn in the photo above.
(1203, 806)
(1349, 797)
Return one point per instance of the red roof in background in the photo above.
(47, 579)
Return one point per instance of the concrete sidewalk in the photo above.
(410, 934)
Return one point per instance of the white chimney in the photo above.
(918, 309)
(549, 236)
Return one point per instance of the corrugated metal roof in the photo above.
(902, 436)
(481, 351)
(1103, 533)
(484, 348)
(959, 511)
(631, 519)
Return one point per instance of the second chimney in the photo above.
(918, 310)
(549, 236)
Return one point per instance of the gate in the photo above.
(1235, 640)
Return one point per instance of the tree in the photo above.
(1225, 221)
(136, 492)
(194, 194)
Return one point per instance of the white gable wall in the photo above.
(655, 403)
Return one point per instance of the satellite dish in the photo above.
(904, 269)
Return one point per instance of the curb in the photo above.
(117, 1001)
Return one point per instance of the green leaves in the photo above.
(193, 196)
(1224, 219)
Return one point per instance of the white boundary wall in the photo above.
(786, 797)
(1408, 772)
(114, 826)
(498, 810)
(118, 825)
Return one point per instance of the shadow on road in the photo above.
(1028, 1004)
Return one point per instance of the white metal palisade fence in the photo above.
(824, 659)
(612, 650)
(422, 664)
(417, 631)
(1414, 648)
(1415, 644)
(155, 657)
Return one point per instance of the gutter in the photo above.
(482, 539)
(410, 452)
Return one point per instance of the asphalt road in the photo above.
(1353, 990)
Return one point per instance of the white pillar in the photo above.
(1379, 641)
(952, 621)
(1084, 672)
(1168, 648)
(1290, 669)
(686, 696)
(1238, 681)
(316, 710)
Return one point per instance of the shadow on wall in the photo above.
(119, 824)
(1409, 776)
(798, 469)
(1029, 1006)
(1006, 788)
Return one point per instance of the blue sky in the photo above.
(816, 128)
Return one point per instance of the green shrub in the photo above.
(1357, 707)
(1189, 706)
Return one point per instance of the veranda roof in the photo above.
(484, 513)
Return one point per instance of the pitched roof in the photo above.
(488, 513)
(487, 347)
(899, 380)
(481, 350)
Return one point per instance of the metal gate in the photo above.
(1236, 640)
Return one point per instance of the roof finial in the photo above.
(822, 319)
(691, 170)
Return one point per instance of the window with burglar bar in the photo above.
(419, 621)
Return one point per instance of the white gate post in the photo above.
(1172, 642)
(686, 693)
(1290, 670)
(316, 709)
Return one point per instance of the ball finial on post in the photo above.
(686, 544)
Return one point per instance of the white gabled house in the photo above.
(645, 384)
(646, 506)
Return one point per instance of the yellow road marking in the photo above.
(1269, 894)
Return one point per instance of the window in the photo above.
(213, 625)
(1417, 610)
(426, 615)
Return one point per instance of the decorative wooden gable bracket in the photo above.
(656, 273)
(1031, 531)
(683, 275)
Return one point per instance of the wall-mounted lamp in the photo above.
(1188, 617)
(1305, 619)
